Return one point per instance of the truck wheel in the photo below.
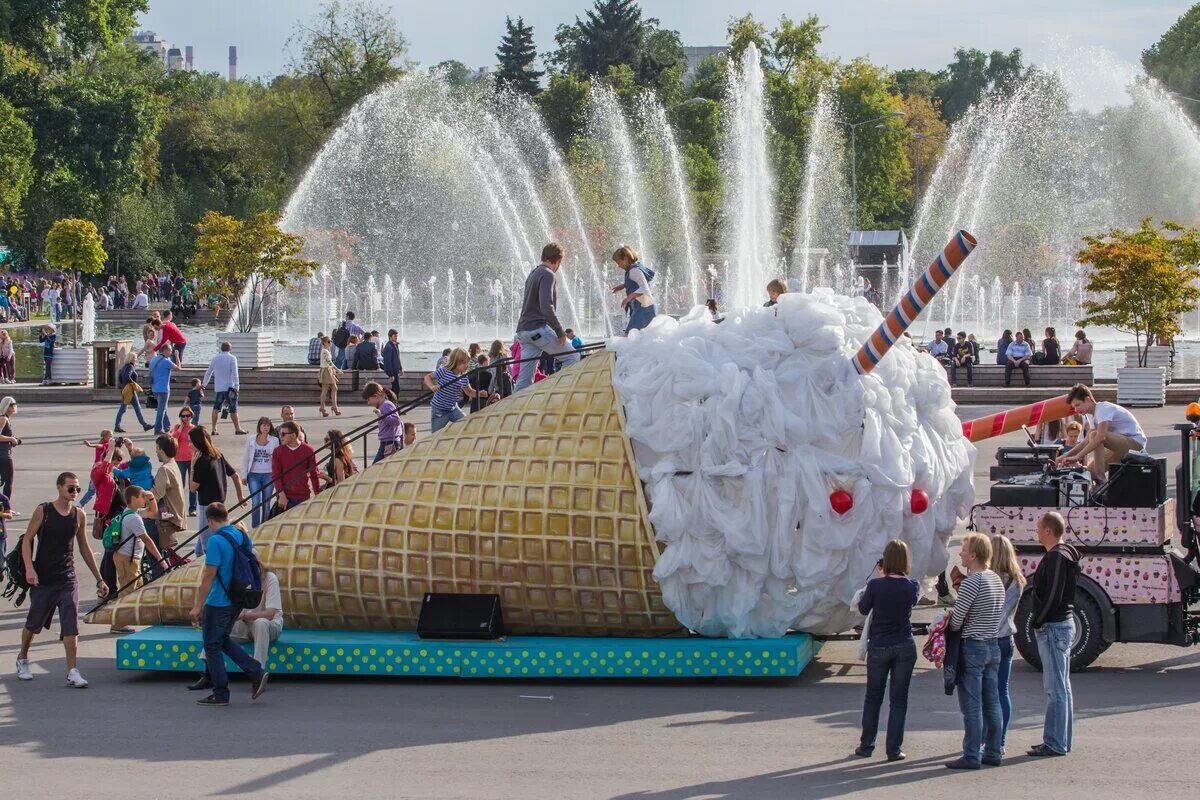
(1089, 640)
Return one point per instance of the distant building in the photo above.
(697, 54)
(171, 57)
(233, 62)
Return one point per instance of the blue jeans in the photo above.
(979, 699)
(1003, 678)
(382, 452)
(439, 419)
(639, 317)
(260, 490)
(137, 409)
(339, 356)
(1054, 646)
(896, 661)
(162, 414)
(533, 344)
(88, 495)
(218, 621)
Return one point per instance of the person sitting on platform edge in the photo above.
(1002, 345)
(964, 356)
(939, 348)
(219, 612)
(261, 625)
(1017, 356)
(1080, 352)
(1117, 433)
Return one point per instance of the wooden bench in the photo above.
(1057, 375)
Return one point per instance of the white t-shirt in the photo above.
(132, 528)
(639, 279)
(271, 597)
(258, 456)
(1120, 421)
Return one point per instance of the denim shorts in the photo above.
(221, 397)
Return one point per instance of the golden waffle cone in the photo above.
(536, 499)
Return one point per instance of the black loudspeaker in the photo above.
(1024, 494)
(460, 616)
(1135, 484)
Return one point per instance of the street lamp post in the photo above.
(854, 126)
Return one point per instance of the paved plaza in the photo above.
(140, 734)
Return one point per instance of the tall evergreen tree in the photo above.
(611, 33)
(515, 55)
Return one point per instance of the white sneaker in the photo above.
(76, 680)
(24, 673)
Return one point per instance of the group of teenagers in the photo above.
(973, 643)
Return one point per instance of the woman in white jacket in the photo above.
(256, 468)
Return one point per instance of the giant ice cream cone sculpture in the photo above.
(536, 499)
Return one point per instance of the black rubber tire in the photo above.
(1089, 637)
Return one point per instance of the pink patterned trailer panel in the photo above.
(1086, 525)
(1128, 580)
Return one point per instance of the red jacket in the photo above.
(171, 334)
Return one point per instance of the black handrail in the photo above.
(362, 431)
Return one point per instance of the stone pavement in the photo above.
(141, 735)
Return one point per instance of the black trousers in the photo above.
(1008, 371)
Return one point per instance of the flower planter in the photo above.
(1142, 386)
(72, 365)
(253, 350)
(1155, 357)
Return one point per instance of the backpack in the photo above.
(17, 587)
(112, 531)
(341, 337)
(245, 584)
(649, 273)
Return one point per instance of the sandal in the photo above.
(324, 413)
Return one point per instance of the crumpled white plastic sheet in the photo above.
(742, 430)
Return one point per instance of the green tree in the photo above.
(1173, 58)
(16, 164)
(1150, 277)
(884, 175)
(972, 75)
(74, 26)
(74, 245)
(348, 52)
(706, 186)
(564, 106)
(515, 56)
(248, 260)
(455, 72)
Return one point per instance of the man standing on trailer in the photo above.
(1115, 434)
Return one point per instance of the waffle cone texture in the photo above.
(536, 499)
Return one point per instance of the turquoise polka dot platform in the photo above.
(347, 654)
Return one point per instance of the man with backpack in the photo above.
(1053, 620)
(127, 539)
(341, 338)
(231, 582)
(57, 527)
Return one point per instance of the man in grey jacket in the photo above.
(538, 329)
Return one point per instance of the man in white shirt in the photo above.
(223, 371)
(142, 300)
(939, 348)
(261, 625)
(1115, 435)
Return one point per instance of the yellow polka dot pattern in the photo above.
(517, 657)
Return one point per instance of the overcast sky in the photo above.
(920, 33)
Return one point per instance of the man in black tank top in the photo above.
(56, 527)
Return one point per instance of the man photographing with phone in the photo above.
(538, 329)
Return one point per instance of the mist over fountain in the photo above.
(429, 204)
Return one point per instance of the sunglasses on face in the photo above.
(73, 490)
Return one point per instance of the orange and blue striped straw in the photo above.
(976, 430)
(913, 302)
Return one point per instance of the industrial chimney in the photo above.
(233, 62)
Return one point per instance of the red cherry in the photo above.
(841, 501)
(918, 501)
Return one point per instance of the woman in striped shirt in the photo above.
(448, 384)
(977, 613)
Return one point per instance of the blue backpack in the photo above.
(245, 584)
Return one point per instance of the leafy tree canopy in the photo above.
(973, 74)
(16, 164)
(74, 245)
(1175, 58)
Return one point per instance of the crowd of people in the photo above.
(1014, 351)
(973, 643)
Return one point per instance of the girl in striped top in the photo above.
(449, 384)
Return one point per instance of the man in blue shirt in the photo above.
(1018, 357)
(161, 367)
(219, 613)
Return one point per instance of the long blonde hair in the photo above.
(1004, 561)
